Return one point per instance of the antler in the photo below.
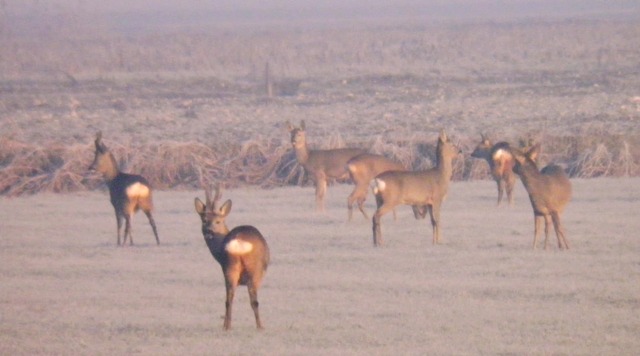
(99, 145)
(213, 204)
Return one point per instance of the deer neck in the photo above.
(530, 176)
(302, 153)
(109, 167)
(215, 242)
(445, 167)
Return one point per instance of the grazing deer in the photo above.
(549, 192)
(425, 190)
(362, 169)
(322, 165)
(242, 252)
(128, 192)
(501, 166)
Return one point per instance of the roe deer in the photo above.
(362, 169)
(128, 192)
(243, 252)
(501, 166)
(320, 164)
(425, 190)
(549, 192)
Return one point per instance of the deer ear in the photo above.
(533, 152)
(289, 126)
(225, 208)
(200, 206)
(302, 125)
(443, 136)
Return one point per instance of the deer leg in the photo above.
(557, 226)
(231, 289)
(511, 182)
(153, 225)
(537, 221)
(364, 213)
(127, 230)
(350, 201)
(500, 183)
(377, 233)
(253, 298)
(434, 214)
(119, 224)
(321, 189)
(547, 223)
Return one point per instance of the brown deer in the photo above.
(501, 166)
(425, 190)
(128, 192)
(362, 169)
(243, 252)
(321, 165)
(549, 192)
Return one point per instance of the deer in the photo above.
(242, 253)
(425, 190)
(321, 165)
(549, 192)
(362, 169)
(501, 166)
(128, 192)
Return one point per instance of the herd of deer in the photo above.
(243, 252)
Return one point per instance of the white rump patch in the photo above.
(499, 154)
(378, 185)
(238, 247)
(137, 190)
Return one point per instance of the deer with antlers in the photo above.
(242, 253)
(549, 192)
(425, 190)
(128, 192)
(321, 165)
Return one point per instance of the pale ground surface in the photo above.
(67, 289)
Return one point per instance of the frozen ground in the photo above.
(67, 289)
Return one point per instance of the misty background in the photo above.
(40, 17)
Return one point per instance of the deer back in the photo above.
(366, 166)
(420, 187)
(331, 162)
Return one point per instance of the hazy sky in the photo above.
(119, 14)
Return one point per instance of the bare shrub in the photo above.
(592, 163)
(27, 168)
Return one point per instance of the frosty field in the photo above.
(67, 289)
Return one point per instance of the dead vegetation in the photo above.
(384, 88)
(27, 168)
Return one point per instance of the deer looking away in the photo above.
(322, 165)
(423, 189)
(242, 253)
(549, 192)
(500, 165)
(362, 169)
(128, 192)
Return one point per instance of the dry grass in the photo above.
(28, 168)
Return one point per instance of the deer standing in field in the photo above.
(425, 190)
(322, 165)
(362, 169)
(128, 192)
(242, 253)
(549, 192)
(501, 166)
